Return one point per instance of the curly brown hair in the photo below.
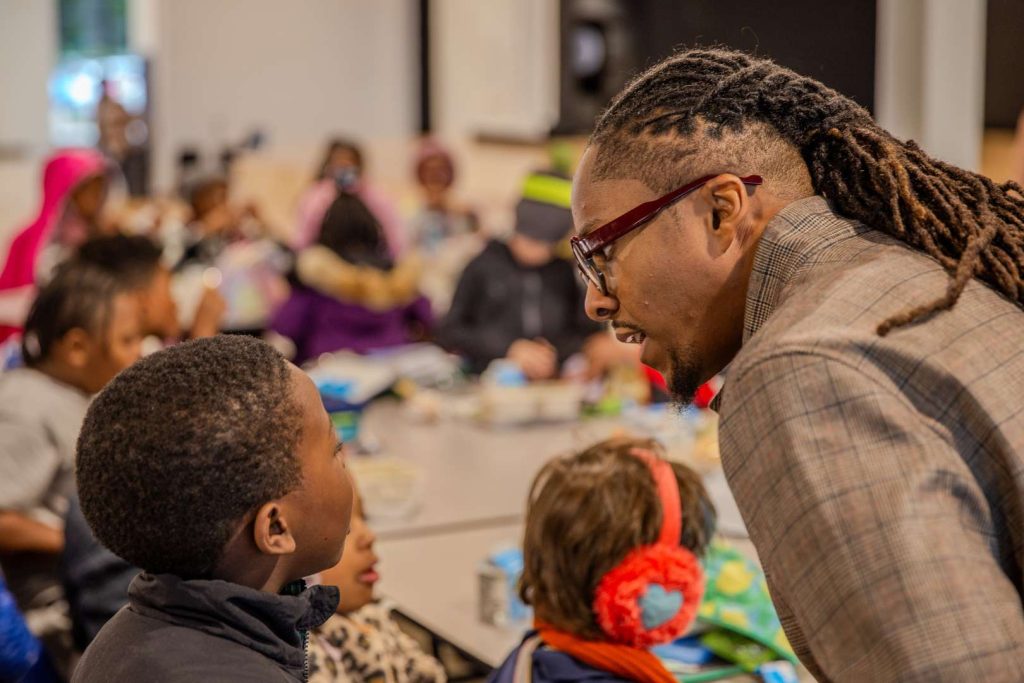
(586, 512)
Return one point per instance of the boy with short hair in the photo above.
(214, 467)
(81, 331)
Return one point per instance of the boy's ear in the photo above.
(271, 532)
(76, 346)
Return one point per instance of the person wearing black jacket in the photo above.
(213, 467)
(517, 299)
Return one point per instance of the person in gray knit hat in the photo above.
(518, 300)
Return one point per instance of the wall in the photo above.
(305, 68)
(930, 75)
(299, 71)
(494, 67)
(28, 49)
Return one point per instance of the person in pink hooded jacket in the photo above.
(342, 168)
(74, 190)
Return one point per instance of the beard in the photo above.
(684, 378)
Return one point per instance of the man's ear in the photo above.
(271, 532)
(726, 196)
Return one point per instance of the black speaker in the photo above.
(598, 54)
(1004, 61)
(606, 42)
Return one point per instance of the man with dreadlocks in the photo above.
(867, 300)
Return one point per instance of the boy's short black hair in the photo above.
(178, 448)
(132, 259)
(80, 295)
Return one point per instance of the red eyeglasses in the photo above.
(585, 246)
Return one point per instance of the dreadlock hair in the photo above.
(730, 111)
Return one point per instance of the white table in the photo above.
(472, 476)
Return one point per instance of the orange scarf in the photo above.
(629, 662)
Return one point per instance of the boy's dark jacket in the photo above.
(176, 630)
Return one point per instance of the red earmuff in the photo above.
(652, 596)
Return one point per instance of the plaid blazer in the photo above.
(881, 479)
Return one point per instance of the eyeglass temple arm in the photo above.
(588, 244)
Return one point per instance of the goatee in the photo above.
(683, 380)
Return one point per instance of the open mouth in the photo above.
(631, 336)
(370, 575)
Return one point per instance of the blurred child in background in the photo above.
(226, 249)
(440, 215)
(74, 191)
(137, 263)
(82, 330)
(444, 232)
(518, 300)
(351, 295)
(343, 168)
(216, 221)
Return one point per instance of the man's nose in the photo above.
(600, 307)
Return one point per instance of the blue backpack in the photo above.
(22, 657)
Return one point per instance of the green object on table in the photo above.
(738, 649)
(609, 406)
(736, 600)
(743, 628)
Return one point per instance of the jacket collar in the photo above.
(791, 241)
(269, 624)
